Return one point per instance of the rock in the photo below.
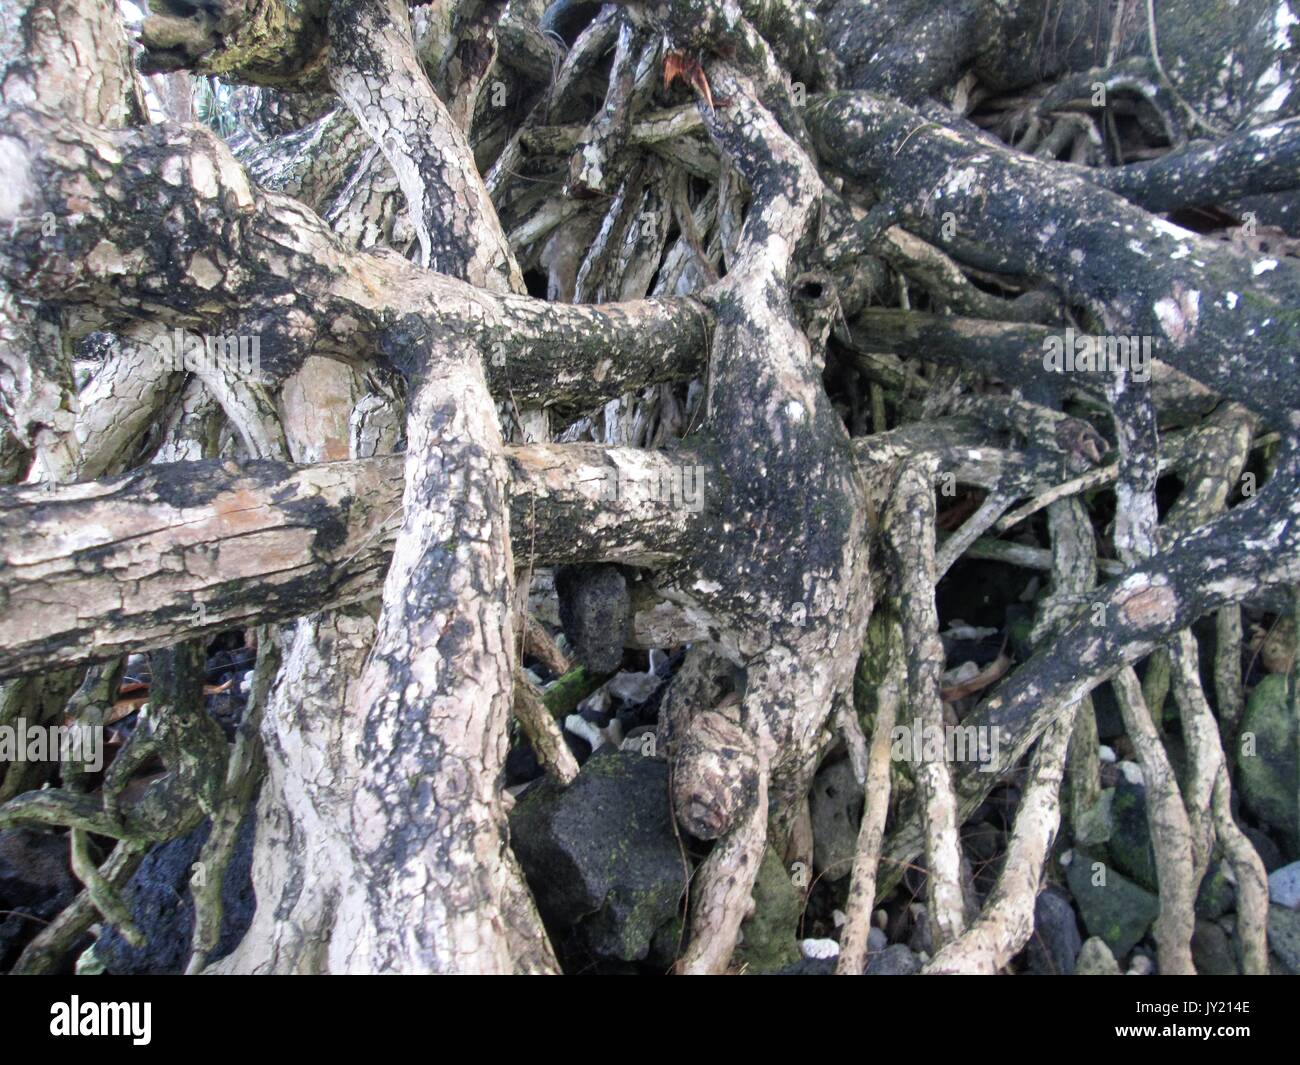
(836, 805)
(921, 939)
(1267, 850)
(1098, 821)
(897, 960)
(1114, 908)
(1140, 965)
(1284, 886)
(819, 948)
(601, 856)
(1095, 959)
(33, 866)
(595, 610)
(1284, 936)
(809, 967)
(35, 882)
(634, 688)
(876, 941)
(1267, 760)
(770, 932)
(1131, 772)
(1212, 951)
(1110, 722)
(1055, 942)
(1217, 894)
(163, 908)
(983, 842)
(1129, 846)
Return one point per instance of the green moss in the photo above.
(770, 942)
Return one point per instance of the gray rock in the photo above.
(1098, 821)
(1270, 776)
(1217, 895)
(600, 855)
(921, 939)
(1284, 886)
(1284, 936)
(1268, 851)
(1114, 908)
(595, 610)
(1212, 951)
(876, 940)
(836, 805)
(1055, 942)
(35, 882)
(897, 960)
(983, 842)
(33, 866)
(808, 967)
(1129, 846)
(163, 908)
(1095, 959)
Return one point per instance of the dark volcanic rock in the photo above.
(1055, 943)
(1112, 906)
(1268, 761)
(601, 856)
(36, 882)
(160, 901)
(897, 960)
(595, 610)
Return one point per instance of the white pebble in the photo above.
(819, 949)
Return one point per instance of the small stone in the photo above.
(1212, 951)
(808, 967)
(1132, 772)
(1264, 846)
(1095, 959)
(1055, 942)
(1140, 965)
(1284, 936)
(633, 688)
(1098, 821)
(1267, 762)
(1130, 846)
(585, 730)
(920, 940)
(1112, 906)
(819, 949)
(1284, 886)
(1106, 754)
(876, 941)
(836, 806)
(897, 960)
(1217, 894)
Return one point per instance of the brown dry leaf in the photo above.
(689, 69)
(126, 707)
(988, 675)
